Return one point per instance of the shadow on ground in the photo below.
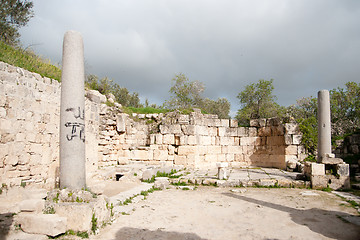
(145, 234)
(6, 220)
(330, 224)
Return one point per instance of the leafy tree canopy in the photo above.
(13, 15)
(186, 94)
(257, 101)
(106, 86)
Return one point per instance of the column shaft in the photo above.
(72, 113)
(324, 124)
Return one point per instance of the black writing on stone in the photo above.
(77, 130)
(77, 112)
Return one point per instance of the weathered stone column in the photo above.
(324, 125)
(72, 113)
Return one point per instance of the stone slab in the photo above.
(46, 224)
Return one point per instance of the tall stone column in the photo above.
(72, 113)
(324, 125)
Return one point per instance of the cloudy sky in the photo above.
(304, 45)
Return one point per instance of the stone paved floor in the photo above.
(251, 176)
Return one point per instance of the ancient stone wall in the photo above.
(29, 128)
(29, 135)
(197, 141)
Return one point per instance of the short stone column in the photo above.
(324, 125)
(72, 113)
(222, 173)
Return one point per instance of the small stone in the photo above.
(308, 193)
(241, 190)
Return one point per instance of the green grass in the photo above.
(180, 184)
(163, 174)
(29, 61)
(327, 189)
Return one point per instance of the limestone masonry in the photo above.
(29, 131)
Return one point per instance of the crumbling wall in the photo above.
(29, 128)
(197, 141)
(29, 134)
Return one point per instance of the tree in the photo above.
(106, 86)
(185, 94)
(220, 107)
(13, 15)
(345, 109)
(257, 101)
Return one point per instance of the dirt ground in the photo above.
(239, 213)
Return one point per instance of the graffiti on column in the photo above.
(77, 112)
(77, 128)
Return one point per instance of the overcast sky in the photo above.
(304, 45)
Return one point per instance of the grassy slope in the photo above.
(29, 61)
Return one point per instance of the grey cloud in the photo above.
(304, 45)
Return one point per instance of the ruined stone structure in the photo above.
(328, 171)
(29, 129)
(197, 140)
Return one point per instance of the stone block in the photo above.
(192, 140)
(188, 129)
(143, 155)
(275, 141)
(226, 141)
(331, 160)
(314, 169)
(184, 140)
(213, 149)
(319, 181)
(292, 128)
(343, 169)
(296, 139)
(264, 132)
(169, 139)
(288, 139)
(183, 119)
(253, 132)
(204, 140)
(160, 155)
(291, 162)
(78, 215)
(121, 123)
(180, 160)
(211, 158)
(339, 183)
(202, 130)
(32, 205)
(233, 123)
(221, 131)
(291, 150)
(258, 122)
(273, 122)
(162, 183)
(185, 150)
(147, 174)
(242, 131)
(46, 224)
(225, 123)
(213, 131)
(170, 129)
(277, 130)
(244, 141)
